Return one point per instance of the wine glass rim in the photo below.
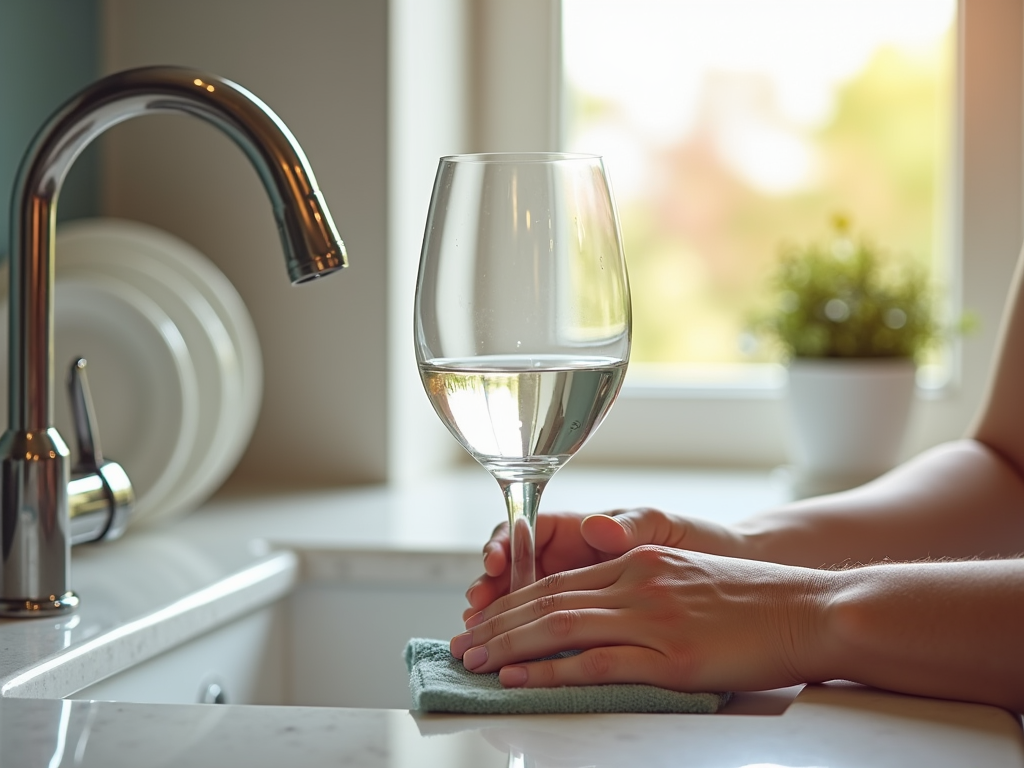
(520, 157)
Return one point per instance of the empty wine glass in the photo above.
(522, 318)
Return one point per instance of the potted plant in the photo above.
(851, 323)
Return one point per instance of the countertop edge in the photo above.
(69, 670)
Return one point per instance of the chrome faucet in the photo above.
(35, 531)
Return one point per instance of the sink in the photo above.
(334, 638)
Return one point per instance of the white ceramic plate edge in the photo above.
(220, 294)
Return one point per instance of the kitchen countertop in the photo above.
(162, 585)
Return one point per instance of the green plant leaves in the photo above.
(846, 298)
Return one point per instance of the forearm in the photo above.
(957, 501)
(949, 630)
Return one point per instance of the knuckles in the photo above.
(502, 604)
(545, 604)
(504, 642)
(490, 628)
(597, 664)
(562, 624)
(648, 556)
(651, 572)
(542, 674)
(553, 582)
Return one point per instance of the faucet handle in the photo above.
(100, 495)
(84, 416)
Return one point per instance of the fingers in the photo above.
(581, 580)
(622, 530)
(567, 541)
(569, 628)
(597, 666)
(558, 547)
(495, 557)
(485, 591)
(566, 610)
(496, 551)
(606, 534)
(481, 629)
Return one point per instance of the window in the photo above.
(741, 421)
(726, 140)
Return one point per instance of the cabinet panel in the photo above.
(244, 658)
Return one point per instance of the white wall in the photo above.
(332, 72)
(429, 102)
(517, 79)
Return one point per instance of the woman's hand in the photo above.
(680, 620)
(569, 540)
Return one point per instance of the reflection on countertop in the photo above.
(827, 725)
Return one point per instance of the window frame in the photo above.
(741, 421)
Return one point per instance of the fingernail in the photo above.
(470, 591)
(513, 677)
(475, 657)
(488, 568)
(461, 643)
(476, 618)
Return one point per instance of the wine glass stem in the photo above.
(522, 499)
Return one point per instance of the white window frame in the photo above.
(742, 423)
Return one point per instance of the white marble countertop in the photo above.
(161, 586)
(827, 726)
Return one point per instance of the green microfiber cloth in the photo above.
(439, 683)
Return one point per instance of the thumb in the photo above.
(621, 531)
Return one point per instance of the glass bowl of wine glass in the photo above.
(522, 318)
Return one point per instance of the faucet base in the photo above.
(54, 605)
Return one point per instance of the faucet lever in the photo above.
(100, 495)
(84, 416)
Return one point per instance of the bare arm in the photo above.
(959, 500)
(696, 622)
(1000, 423)
(950, 630)
(962, 499)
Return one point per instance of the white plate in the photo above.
(141, 378)
(213, 321)
(213, 355)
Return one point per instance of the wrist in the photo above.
(816, 646)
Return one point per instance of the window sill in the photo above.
(716, 382)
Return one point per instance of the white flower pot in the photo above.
(848, 420)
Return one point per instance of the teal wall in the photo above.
(49, 49)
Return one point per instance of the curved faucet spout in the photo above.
(311, 244)
(33, 457)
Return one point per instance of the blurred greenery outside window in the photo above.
(731, 128)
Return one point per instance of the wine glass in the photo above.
(522, 318)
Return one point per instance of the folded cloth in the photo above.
(439, 683)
